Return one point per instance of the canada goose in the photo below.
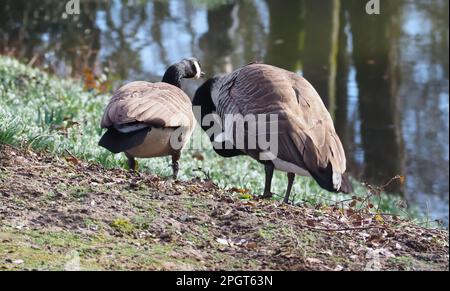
(307, 141)
(146, 120)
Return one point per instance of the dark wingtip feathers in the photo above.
(117, 142)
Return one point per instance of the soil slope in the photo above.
(62, 213)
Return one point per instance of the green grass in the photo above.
(43, 112)
(46, 250)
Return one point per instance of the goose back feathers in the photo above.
(307, 140)
(153, 104)
(138, 108)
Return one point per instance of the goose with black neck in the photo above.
(146, 120)
(306, 141)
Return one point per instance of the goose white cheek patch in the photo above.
(198, 71)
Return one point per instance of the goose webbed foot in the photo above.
(267, 195)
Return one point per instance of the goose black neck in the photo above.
(203, 99)
(174, 74)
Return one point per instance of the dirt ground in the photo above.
(62, 213)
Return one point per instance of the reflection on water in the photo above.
(384, 78)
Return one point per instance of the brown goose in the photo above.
(146, 120)
(307, 141)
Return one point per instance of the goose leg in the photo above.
(291, 178)
(269, 174)
(132, 165)
(175, 164)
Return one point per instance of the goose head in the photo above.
(192, 68)
(189, 68)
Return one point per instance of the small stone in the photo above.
(314, 261)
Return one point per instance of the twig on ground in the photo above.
(344, 229)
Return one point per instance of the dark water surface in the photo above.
(384, 78)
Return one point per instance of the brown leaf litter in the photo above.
(188, 225)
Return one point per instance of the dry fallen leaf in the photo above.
(311, 222)
(72, 160)
(198, 156)
(379, 218)
(240, 190)
(251, 245)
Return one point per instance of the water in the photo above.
(384, 78)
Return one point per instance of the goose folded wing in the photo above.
(156, 105)
(317, 128)
(306, 134)
(249, 92)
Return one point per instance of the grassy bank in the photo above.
(43, 112)
(67, 204)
